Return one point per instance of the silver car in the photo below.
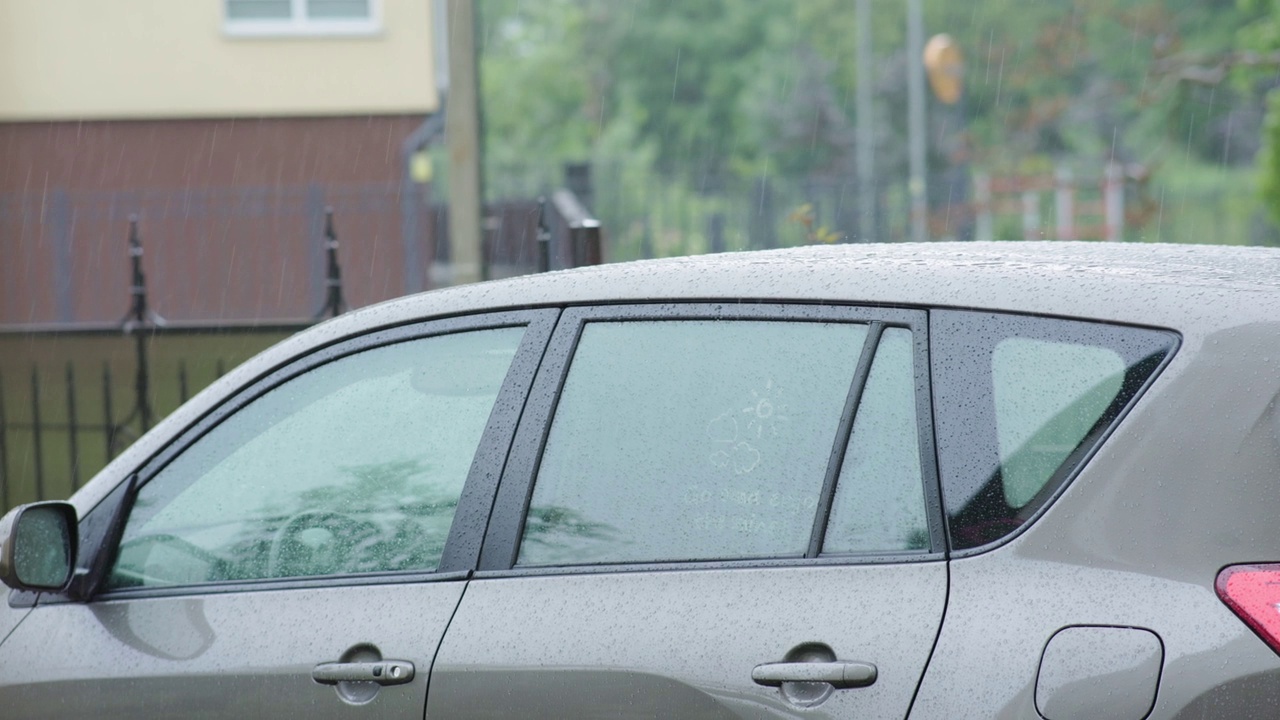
(865, 481)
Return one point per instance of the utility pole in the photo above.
(462, 131)
(916, 122)
(865, 131)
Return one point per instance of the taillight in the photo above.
(1253, 593)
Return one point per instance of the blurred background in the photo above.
(183, 184)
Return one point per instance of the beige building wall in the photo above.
(128, 59)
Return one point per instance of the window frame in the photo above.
(298, 24)
(462, 545)
(506, 523)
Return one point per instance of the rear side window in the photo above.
(690, 440)
(1020, 403)
(879, 504)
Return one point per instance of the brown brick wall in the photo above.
(230, 215)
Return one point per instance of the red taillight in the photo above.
(1253, 593)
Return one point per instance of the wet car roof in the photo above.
(1169, 285)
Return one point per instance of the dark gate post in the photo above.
(139, 321)
(334, 303)
(544, 237)
(4, 455)
(72, 428)
(36, 427)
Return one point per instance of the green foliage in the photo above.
(1269, 160)
(704, 96)
(1263, 34)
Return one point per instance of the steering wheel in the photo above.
(317, 542)
(201, 566)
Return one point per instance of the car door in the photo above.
(298, 552)
(710, 511)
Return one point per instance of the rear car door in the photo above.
(710, 511)
(298, 552)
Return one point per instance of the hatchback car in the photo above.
(864, 481)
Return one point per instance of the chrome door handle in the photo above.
(383, 672)
(838, 674)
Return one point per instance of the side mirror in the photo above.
(38, 546)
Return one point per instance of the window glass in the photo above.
(355, 466)
(259, 9)
(690, 440)
(1019, 403)
(1038, 421)
(879, 501)
(338, 9)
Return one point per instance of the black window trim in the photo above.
(506, 524)
(462, 546)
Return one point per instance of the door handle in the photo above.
(383, 672)
(838, 674)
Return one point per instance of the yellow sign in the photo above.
(945, 65)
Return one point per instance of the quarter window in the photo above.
(690, 440)
(353, 467)
(1021, 402)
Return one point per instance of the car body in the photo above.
(929, 481)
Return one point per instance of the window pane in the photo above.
(879, 502)
(259, 9)
(688, 440)
(1019, 402)
(355, 466)
(1039, 422)
(338, 9)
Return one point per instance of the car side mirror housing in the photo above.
(38, 546)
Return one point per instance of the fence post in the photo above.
(72, 428)
(4, 454)
(985, 226)
(334, 303)
(107, 415)
(1113, 201)
(589, 233)
(1064, 195)
(544, 237)
(183, 392)
(37, 444)
(1030, 214)
(139, 318)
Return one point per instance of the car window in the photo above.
(1020, 403)
(690, 440)
(879, 500)
(1039, 422)
(355, 466)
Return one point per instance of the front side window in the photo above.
(683, 440)
(1020, 403)
(355, 466)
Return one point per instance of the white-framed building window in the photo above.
(268, 18)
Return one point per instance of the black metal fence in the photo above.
(70, 399)
(74, 396)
